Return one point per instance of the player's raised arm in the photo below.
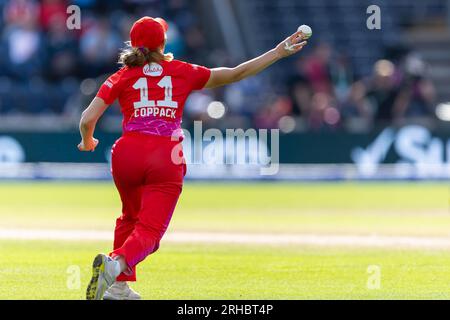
(89, 119)
(289, 46)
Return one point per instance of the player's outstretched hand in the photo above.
(88, 145)
(291, 44)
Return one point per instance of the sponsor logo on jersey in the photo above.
(152, 69)
(108, 84)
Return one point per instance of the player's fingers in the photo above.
(299, 46)
(294, 37)
(301, 36)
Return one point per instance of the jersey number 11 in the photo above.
(142, 86)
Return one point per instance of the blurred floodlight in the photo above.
(384, 68)
(286, 124)
(443, 111)
(331, 116)
(88, 86)
(414, 65)
(216, 109)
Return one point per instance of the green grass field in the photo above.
(44, 269)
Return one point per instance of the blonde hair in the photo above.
(140, 56)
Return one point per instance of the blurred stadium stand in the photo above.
(354, 104)
(48, 73)
(414, 36)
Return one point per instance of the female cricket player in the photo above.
(151, 88)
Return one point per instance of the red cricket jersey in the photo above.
(152, 97)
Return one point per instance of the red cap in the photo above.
(148, 32)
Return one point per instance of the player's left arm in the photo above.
(224, 76)
(88, 121)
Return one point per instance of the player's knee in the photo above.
(155, 247)
(149, 231)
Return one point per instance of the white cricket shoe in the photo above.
(121, 291)
(104, 273)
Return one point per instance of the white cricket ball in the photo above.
(306, 30)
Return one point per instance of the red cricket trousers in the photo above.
(149, 182)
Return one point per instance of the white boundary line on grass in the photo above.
(382, 241)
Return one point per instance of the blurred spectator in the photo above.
(62, 55)
(22, 41)
(180, 12)
(317, 69)
(356, 105)
(52, 10)
(195, 43)
(17, 12)
(245, 97)
(417, 96)
(99, 47)
(341, 75)
(300, 92)
(175, 41)
(313, 88)
(270, 115)
(382, 90)
(324, 113)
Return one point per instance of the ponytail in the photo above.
(140, 56)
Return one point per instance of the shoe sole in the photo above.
(97, 286)
(111, 297)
